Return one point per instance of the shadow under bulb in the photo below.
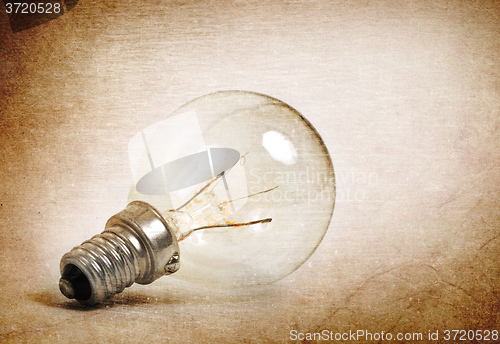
(238, 184)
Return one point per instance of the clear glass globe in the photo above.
(229, 159)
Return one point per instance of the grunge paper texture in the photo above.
(405, 95)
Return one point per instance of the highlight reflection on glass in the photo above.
(232, 189)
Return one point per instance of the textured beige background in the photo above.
(406, 92)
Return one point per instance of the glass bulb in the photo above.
(228, 159)
(237, 187)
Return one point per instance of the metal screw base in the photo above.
(136, 246)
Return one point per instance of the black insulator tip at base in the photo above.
(66, 288)
(74, 284)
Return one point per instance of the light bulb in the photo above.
(237, 187)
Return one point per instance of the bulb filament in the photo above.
(208, 208)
